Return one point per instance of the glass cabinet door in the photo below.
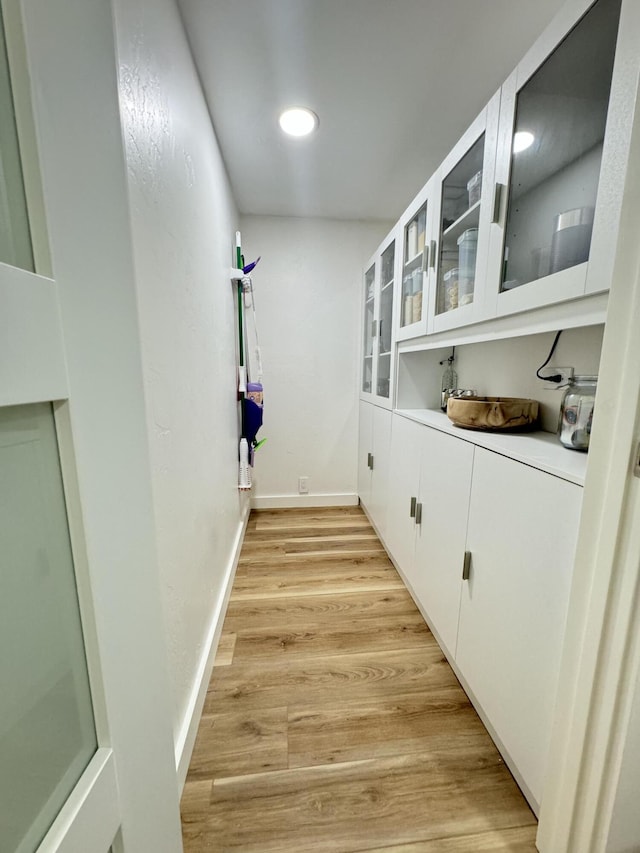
(383, 373)
(413, 269)
(556, 151)
(367, 336)
(459, 220)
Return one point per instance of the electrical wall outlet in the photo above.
(565, 372)
(303, 485)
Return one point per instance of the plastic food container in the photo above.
(450, 280)
(474, 188)
(467, 248)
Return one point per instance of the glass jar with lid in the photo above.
(576, 412)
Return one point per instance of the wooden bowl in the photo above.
(492, 412)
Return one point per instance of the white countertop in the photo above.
(538, 449)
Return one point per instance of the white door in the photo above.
(404, 467)
(380, 468)
(79, 737)
(445, 483)
(522, 535)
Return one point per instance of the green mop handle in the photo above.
(240, 324)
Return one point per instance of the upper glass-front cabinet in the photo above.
(385, 330)
(553, 119)
(377, 334)
(418, 251)
(368, 328)
(413, 267)
(463, 218)
(459, 218)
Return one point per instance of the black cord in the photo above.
(557, 377)
(452, 357)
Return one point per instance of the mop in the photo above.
(251, 393)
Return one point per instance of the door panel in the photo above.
(47, 732)
(404, 464)
(380, 472)
(445, 482)
(522, 535)
(365, 447)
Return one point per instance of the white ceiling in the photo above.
(394, 82)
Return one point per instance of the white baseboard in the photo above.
(189, 729)
(292, 501)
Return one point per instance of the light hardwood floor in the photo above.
(333, 721)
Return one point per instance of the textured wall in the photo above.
(183, 221)
(308, 300)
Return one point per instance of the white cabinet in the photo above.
(501, 619)
(522, 213)
(378, 350)
(430, 478)
(522, 536)
(462, 220)
(445, 480)
(404, 484)
(553, 118)
(416, 228)
(365, 447)
(373, 462)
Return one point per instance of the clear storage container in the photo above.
(474, 188)
(467, 248)
(450, 279)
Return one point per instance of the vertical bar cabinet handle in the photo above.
(371, 466)
(432, 254)
(466, 566)
(497, 203)
(412, 510)
(418, 513)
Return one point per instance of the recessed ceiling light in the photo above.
(298, 121)
(522, 140)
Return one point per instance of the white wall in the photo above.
(72, 65)
(308, 290)
(183, 222)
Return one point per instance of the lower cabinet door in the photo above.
(521, 534)
(404, 481)
(445, 481)
(380, 468)
(365, 449)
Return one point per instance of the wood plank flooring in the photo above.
(333, 721)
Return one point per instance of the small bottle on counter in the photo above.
(449, 382)
(576, 412)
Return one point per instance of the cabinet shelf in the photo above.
(388, 284)
(469, 219)
(414, 262)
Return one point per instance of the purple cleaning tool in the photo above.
(250, 266)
